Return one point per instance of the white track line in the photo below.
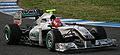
(7, 7)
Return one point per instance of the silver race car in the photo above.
(62, 38)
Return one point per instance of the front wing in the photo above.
(85, 45)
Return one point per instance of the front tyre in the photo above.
(53, 36)
(98, 32)
(12, 34)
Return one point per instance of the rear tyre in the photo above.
(12, 34)
(53, 36)
(98, 32)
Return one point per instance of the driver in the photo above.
(57, 23)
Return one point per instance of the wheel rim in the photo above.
(49, 42)
(6, 35)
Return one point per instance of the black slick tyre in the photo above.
(12, 34)
(98, 32)
(53, 36)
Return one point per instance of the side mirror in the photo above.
(49, 25)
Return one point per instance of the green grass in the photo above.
(97, 10)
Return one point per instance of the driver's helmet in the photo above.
(56, 23)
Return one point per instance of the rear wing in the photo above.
(28, 13)
(31, 13)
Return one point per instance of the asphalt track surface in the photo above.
(36, 50)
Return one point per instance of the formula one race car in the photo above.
(47, 32)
